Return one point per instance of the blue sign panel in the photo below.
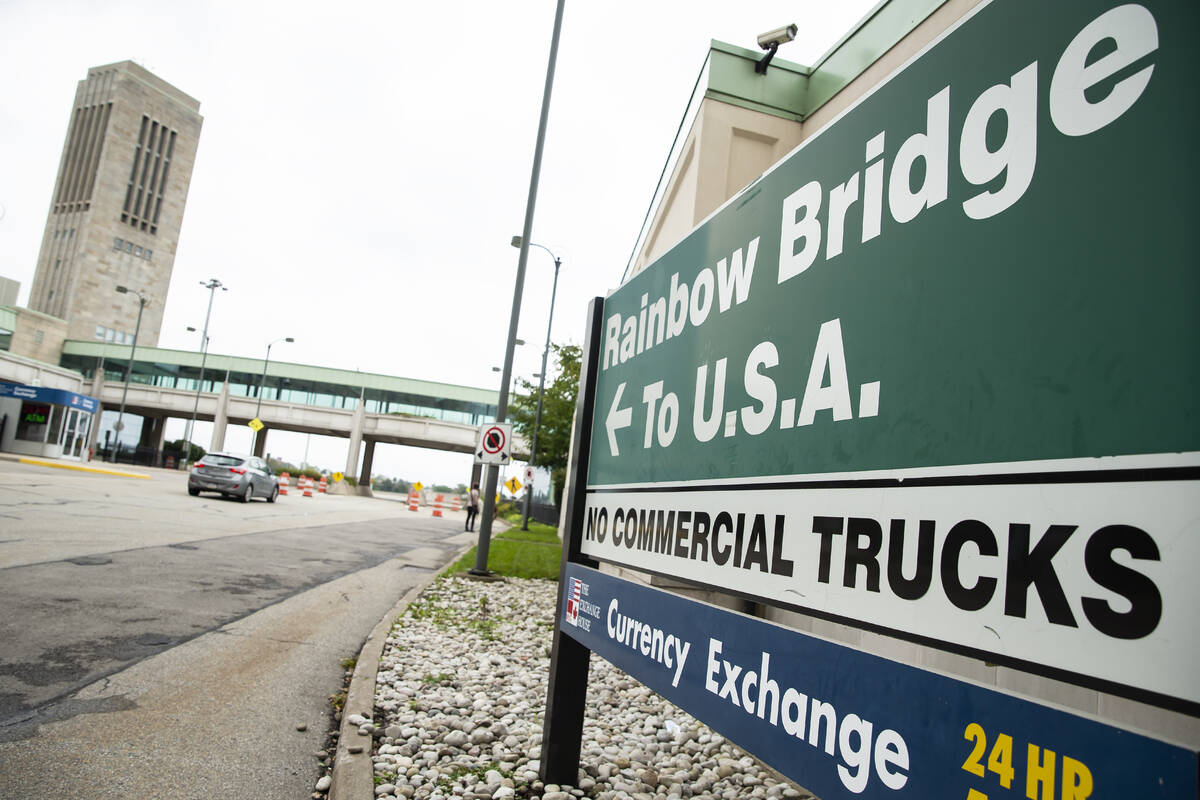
(843, 723)
(44, 395)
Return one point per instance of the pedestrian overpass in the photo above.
(364, 408)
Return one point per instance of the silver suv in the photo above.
(243, 477)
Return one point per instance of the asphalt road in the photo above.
(160, 645)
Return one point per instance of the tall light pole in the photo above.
(128, 367)
(537, 420)
(261, 381)
(212, 285)
(489, 494)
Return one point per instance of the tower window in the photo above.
(148, 175)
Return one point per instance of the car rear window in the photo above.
(222, 461)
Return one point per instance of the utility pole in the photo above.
(489, 495)
(212, 285)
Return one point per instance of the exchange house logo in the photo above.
(573, 598)
(581, 611)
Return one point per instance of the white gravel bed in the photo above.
(461, 693)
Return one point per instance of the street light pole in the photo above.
(489, 494)
(128, 368)
(537, 420)
(212, 285)
(261, 381)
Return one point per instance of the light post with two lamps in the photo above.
(128, 367)
(537, 420)
(212, 285)
(262, 379)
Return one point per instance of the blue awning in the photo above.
(44, 395)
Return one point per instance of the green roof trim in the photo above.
(875, 34)
(220, 363)
(732, 79)
(793, 91)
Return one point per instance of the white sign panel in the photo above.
(1096, 578)
(493, 445)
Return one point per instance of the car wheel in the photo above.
(193, 492)
(274, 494)
(249, 493)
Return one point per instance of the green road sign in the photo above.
(991, 258)
(935, 374)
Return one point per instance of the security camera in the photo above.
(777, 37)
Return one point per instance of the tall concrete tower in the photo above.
(118, 204)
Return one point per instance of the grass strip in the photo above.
(535, 553)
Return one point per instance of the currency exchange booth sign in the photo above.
(935, 374)
(845, 724)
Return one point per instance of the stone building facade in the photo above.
(118, 204)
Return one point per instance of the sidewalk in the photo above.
(78, 466)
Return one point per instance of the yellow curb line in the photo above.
(81, 468)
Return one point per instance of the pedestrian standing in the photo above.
(472, 507)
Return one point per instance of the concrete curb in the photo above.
(81, 468)
(354, 773)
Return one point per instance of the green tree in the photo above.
(382, 483)
(179, 448)
(558, 411)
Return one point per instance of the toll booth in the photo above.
(51, 423)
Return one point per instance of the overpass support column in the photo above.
(154, 433)
(364, 477)
(260, 443)
(356, 435)
(160, 434)
(97, 388)
(220, 419)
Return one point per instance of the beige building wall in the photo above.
(38, 336)
(8, 291)
(727, 148)
(118, 204)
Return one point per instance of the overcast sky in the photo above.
(362, 167)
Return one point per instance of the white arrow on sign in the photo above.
(617, 418)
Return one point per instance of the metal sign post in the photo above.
(566, 697)
(489, 492)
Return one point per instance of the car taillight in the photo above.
(199, 465)
(238, 470)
